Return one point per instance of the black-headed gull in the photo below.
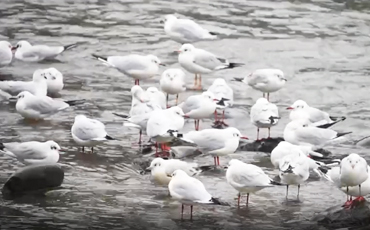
(265, 80)
(294, 170)
(199, 61)
(156, 97)
(33, 152)
(185, 30)
(247, 178)
(301, 110)
(54, 80)
(139, 67)
(141, 102)
(88, 132)
(173, 82)
(199, 107)
(34, 53)
(161, 169)
(264, 114)
(224, 93)
(164, 125)
(189, 191)
(299, 133)
(6, 54)
(216, 142)
(353, 171)
(35, 107)
(38, 85)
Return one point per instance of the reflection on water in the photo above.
(320, 45)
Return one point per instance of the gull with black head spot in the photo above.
(173, 82)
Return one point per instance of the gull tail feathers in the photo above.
(342, 118)
(217, 201)
(70, 46)
(230, 66)
(240, 79)
(2, 147)
(102, 59)
(276, 183)
(75, 102)
(109, 137)
(327, 125)
(342, 134)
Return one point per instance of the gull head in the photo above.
(169, 18)
(219, 81)
(5, 45)
(54, 147)
(53, 74)
(152, 90)
(234, 162)
(299, 104)
(235, 133)
(138, 93)
(171, 74)
(22, 45)
(353, 160)
(156, 162)
(179, 173)
(24, 94)
(295, 124)
(154, 59)
(39, 75)
(209, 96)
(177, 111)
(80, 117)
(186, 48)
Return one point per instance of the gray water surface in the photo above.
(321, 45)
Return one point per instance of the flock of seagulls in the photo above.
(152, 114)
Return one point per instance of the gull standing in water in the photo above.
(247, 178)
(6, 54)
(222, 92)
(185, 30)
(216, 142)
(199, 107)
(88, 132)
(136, 66)
(199, 61)
(265, 80)
(264, 114)
(301, 110)
(141, 103)
(189, 191)
(54, 80)
(34, 53)
(157, 97)
(32, 152)
(173, 82)
(294, 170)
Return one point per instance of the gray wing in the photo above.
(255, 79)
(193, 102)
(208, 60)
(251, 177)
(26, 150)
(191, 189)
(206, 140)
(89, 129)
(45, 105)
(188, 29)
(127, 63)
(314, 135)
(42, 51)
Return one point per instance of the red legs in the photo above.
(191, 212)
(137, 82)
(223, 118)
(269, 133)
(247, 199)
(165, 150)
(216, 118)
(140, 134)
(195, 81)
(182, 211)
(196, 122)
(216, 160)
(167, 101)
(258, 133)
(200, 82)
(239, 199)
(177, 99)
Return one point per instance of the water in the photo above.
(322, 46)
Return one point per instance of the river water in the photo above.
(321, 45)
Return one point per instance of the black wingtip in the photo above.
(276, 183)
(289, 169)
(233, 65)
(238, 79)
(109, 137)
(323, 169)
(71, 46)
(216, 201)
(75, 102)
(99, 57)
(337, 118)
(2, 147)
(121, 115)
(342, 134)
(213, 33)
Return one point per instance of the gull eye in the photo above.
(185, 50)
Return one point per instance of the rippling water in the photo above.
(321, 45)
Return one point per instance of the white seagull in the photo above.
(141, 102)
(189, 191)
(88, 132)
(224, 94)
(294, 170)
(265, 80)
(216, 142)
(34, 53)
(199, 107)
(299, 133)
(35, 107)
(38, 85)
(6, 54)
(32, 152)
(199, 61)
(136, 66)
(185, 30)
(264, 114)
(247, 178)
(157, 97)
(173, 82)
(301, 110)
(161, 169)
(54, 80)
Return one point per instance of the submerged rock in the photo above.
(33, 178)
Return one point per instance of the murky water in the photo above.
(321, 45)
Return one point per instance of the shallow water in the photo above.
(321, 46)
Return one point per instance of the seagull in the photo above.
(141, 103)
(294, 170)
(88, 132)
(173, 82)
(353, 171)
(33, 152)
(6, 54)
(157, 97)
(222, 91)
(189, 191)
(265, 80)
(199, 107)
(34, 53)
(35, 107)
(38, 85)
(163, 126)
(216, 142)
(264, 114)
(54, 80)
(301, 110)
(136, 66)
(247, 178)
(185, 30)
(297, 132)
(162, 170)
(199, 61)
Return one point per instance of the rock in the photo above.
(33, 178)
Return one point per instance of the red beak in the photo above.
(13, 48)
(289, 108)
(162, 64)
(245, 138)
(177, 51)
(215, 99)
